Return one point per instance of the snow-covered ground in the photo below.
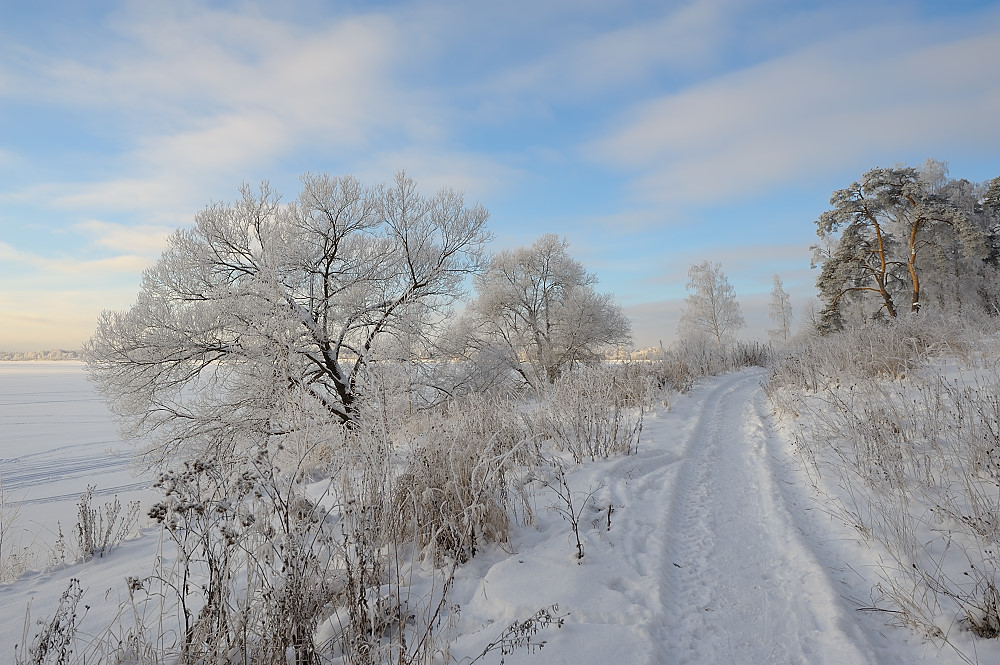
(56, 439)
(704, 547)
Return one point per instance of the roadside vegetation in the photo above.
(896, 425)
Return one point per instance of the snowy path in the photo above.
(740, 585)
(703, 562)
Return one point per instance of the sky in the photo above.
(651, 135)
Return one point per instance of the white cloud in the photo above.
(221, 143)
(478, 176)
(46, 272)
(204, 98)
(157, 196)
(810, 111)
(179, 62)
(145, 239)
(687, 36)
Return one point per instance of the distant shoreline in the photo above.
(54, 354)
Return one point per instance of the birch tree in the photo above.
(263, 311)
(711, 310)
(780, 311)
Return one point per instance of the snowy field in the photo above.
(56, 439)
(703, 547)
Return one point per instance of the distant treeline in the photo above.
(54, 354)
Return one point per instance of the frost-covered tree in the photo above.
(780, 311)
(958, 277)
(879, 231)
(711, 310)
(991, 200)
(537, 310)
(265, 313)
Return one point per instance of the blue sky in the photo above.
(652, 135)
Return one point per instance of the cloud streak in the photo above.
(204, 97)
(683, 38)
(811, 111)
(52, 272)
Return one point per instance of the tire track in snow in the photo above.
(662, 475)
(738, 583)
(91, 460)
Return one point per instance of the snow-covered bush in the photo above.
(680, 366)
(55, 638)
(908, 452)
(270, 561)
(253, 565)
(15, 558)
(99, 530)
(889, 349)
(462, 485)
(594, 411)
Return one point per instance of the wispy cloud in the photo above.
(683, 38)
(813, 110)
(204, 97)
(52, 272)
(179, 60)
(478, 175)
(144, 239)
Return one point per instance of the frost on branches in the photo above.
(711, 310)
(537, 312)
(903, 234)
(263, 312)
(780, 311)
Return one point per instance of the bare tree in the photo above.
(261, 300)
(536, 307)
(780, 311)
(711, 309)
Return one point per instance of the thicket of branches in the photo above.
(340, 544)
(326, 452)
(260, 303)
(537, 312)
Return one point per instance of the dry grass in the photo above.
(911, 457)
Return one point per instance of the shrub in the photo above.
(55, 639)
(99, 530)
(912, 460)
(593, 411)
(890, 349)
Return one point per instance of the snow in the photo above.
(706, 546)
(58, 438)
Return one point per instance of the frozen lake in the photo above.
(57, 438)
